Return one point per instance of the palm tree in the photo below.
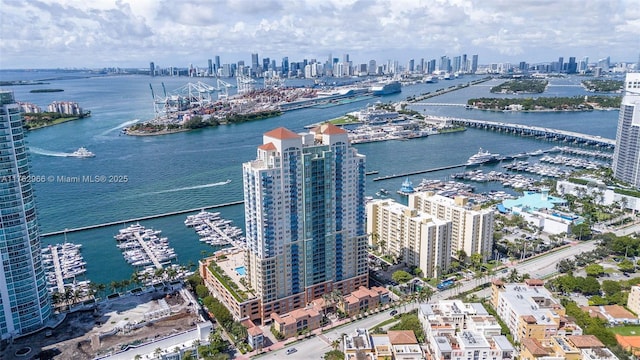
(114, 285)
(335, 344)
(159, 274)
(383, 247)
(101, 288)
(157, 352)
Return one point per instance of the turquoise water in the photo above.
(189, 170)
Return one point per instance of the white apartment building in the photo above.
(472, 227)
(419, 239)
(459, 331)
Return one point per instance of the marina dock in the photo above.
(143, 247)
(215, 230)
(121, 222)
(147, 250)
(57, 269)
(63, 263)
(394, 176)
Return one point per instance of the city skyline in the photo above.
(130, 34)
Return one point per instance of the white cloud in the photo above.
(133, 32)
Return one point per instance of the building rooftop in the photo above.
(535, 303)
(282, 133)
(610, 312)
(585, 341)
(267, 147)
(359, 339)
(402, 337)
(470, 339)
(329, 129)
(534, 346)
(503, 343)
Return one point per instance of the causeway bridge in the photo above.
(537, 131)
(435, 104)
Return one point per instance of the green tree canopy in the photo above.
(401, 276)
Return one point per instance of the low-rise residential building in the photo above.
(458, 331)
(255, 335)
(396, 344)
(471, 226)
(613, 314)
(358, 346)
(364, 299)
(576, 347)
(417, 238)
(530, 311)
(591, 348)
(404, 345)
(297, 321)
(633, 302)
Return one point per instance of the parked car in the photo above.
(393, 312)
(291, 351)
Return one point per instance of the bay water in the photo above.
(190, 170)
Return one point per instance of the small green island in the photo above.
(598, 85)
(45, 90)
(33, 121)
(521, 86)
(576, 103)
(196, 122)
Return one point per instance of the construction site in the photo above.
(112, 326)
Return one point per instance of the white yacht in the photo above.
(82, 153)
(482, 157)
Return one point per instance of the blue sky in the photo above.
(99, 33)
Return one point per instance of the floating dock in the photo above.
(63, 263)
(142, 247)
(215, 230)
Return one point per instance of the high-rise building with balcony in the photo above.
(626, 157)
(24, 299)
(472, 230)
(305, 218)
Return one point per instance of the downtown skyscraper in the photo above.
(24, 299)
(626, 157)
(305, 217)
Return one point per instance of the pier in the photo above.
(394, 176)
(221, 233)
(120, 222)
(537, 131)
(57, 269)
(147, 250)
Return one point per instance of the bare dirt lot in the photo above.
(110, 327)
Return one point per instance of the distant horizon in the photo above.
(278, 63)
(130, 34)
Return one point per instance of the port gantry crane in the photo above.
(245, 83)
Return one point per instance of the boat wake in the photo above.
(39, 151)
(121, 126)
(189, 188)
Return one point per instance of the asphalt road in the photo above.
(541, 266)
